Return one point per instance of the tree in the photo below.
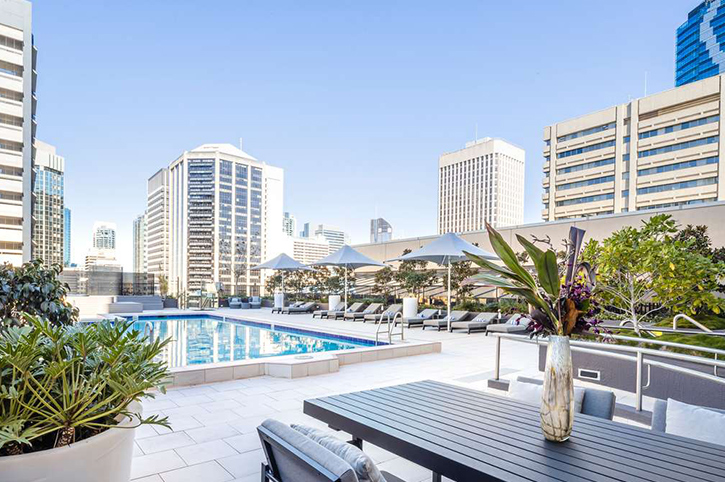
(272, 283)
(460, 272)
(383, 282)
(650, 264)
(297, 281)
(163, 285)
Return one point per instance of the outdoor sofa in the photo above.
(597, 403)
(417, 320)
(359, 315)
(323, 313)
(659, 416)
(478, 323)
(515, 324)
(235, 303)
(386, 316)
(303, 308)
(255, 302)
(354, 308)
(443, 322)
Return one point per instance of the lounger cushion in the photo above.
(695, 422)
(363, 465)
(531, 393)
(311, 449)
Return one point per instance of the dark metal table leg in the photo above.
(435, 477)
(357, 442)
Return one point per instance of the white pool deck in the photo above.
(214, 435)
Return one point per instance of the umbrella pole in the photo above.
(449, 294)
(345, 288)
(282, 275)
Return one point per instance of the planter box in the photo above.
(171, 303)
(663, 383)
(106, 457)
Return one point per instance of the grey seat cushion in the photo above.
(659, 415)
(292, 469)
(597, 403)
(362, 464)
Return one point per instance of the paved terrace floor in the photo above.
(214, 435)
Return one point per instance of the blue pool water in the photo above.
(204, 339)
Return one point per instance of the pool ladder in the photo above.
(390, 327)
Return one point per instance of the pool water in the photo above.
(200, 340)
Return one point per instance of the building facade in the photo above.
(157, 224)
(104, 235)
(701, 43)
(139, 244)
(17, 130)
(48, 207)
(335, 236)
(66, 237)
(306, 250)
(659, 151)
(484, 182)
(380, 231)
(225, 216)
(289, 224)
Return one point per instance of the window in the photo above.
(586, 132)
(12, 69)
(677, 185)
(679, 147)
(588, 182)
(682, 203)
(626, 139)
(678, 166)
(587, 199)
(679, 127)
(11, 95)
(11, 146)
(581, 150)
(585, 166)
(11, 42)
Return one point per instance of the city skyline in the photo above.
(308, 130)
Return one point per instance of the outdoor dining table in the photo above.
(470, 435)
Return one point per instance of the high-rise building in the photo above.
(307, 231)
(335, 236)
(66, 237)
(700, 43)
(17, 129)
(306, 250)
(48, 227)
(484, 182)
(380, 231)
(157, 224)
(102, 255)
(289, 224)
(658, 151)
(139, 244)
(226, 213)
(104, 235)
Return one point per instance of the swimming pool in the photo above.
(204, 339)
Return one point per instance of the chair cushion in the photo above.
(695, 422)
(361, 463)
(531, 393)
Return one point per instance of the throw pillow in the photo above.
(695, 422)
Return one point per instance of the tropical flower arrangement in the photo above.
(560, 295)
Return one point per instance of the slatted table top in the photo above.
(468, 435)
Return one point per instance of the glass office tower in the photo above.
(700, 43)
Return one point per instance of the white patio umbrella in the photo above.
(283, 263)
(444, 251)
(347, 258)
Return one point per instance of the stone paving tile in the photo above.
(208, 472)
(155, 463)
(243, 464)
(206, 451)
(161, 443)
(212, 432)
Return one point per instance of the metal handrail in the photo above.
(604, 349)
(688, 318)
(391, 327)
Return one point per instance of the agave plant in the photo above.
(557, 307)
(61, 384)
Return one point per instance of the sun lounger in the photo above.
(443, 322)
(354, 308)
(417, 320)
(479, 323)
(323, 313)
(371, 309)
(515, 324)
(279, 310)
(304, 308)
(385, 316)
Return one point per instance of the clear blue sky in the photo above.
(355, 100)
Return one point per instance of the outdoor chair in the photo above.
(385, 316)
(235, 303)
(479, 323)
(323, 313)
(417, 320)
(371, 309)
(696, 429)
(597, 403)
(279, 309)
(294, 457)
(255, 302)
(303, 308)
(354, 308)
(442, 323)
(515, 324)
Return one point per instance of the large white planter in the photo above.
(104, 458)
(279, 300)
(410, 307)
(333, 301)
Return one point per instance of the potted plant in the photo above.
(69, 399)
(558, 309)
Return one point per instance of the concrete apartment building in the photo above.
(225, 216)
(334, 235)
(17, 130)
(139, 244)
(700, 43)
(484, 182)
(289, 224)
(48, 226)
(306, 250)
(659, 151)
(380, 231)
(66, 237)
(157, 224)
(102, 255)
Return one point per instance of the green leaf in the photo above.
(548, 271)
(534, 252)
(508, 256)
(496, 281)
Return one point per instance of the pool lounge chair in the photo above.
(303, 308)
(385, 316)
(279, 310)
(323, 313)
(255, 302)
(354, 308)
(371, 309)
(442, 323)
(417, 320)
(597, 403)
(479, 323)
(515, 324)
